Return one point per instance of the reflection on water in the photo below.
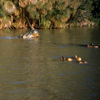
(31, 69)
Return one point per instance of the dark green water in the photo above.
(31, 69)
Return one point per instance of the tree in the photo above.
(47, 13)
(93, 9)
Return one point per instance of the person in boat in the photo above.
(31, 33)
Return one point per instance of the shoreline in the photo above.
(84, 24)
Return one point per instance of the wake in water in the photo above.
(8, 37)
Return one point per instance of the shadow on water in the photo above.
(31, 69)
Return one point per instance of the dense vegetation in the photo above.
(48, 13)
(93, 7)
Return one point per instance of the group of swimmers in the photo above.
(92, 45)
(75, 58)
(79, 59)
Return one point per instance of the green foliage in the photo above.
(48, 6)
(34, 15)
(45, 23)
(93, 9)
(52, 1)
(6, 19)
(50, 12)
(2, 14)
(9, 7)
(31, 8)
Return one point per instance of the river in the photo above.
(32, 69)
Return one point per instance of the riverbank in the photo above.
(46, 14)
(21, 25)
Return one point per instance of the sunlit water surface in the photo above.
(31, 69)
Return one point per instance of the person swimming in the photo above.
(31, 33)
